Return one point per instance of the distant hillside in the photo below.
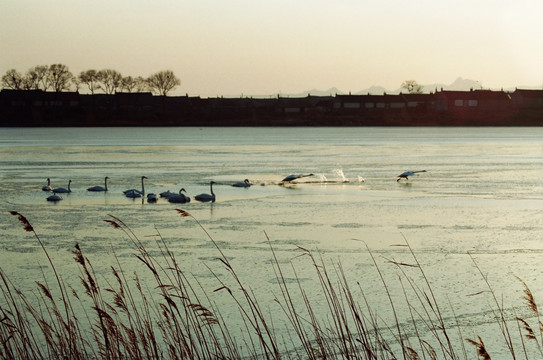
(374, 90)
(316, 92)
(459, 84)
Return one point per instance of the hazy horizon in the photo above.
(258, 48)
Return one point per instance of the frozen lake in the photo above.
(482, 194)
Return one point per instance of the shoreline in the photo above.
(35, 108)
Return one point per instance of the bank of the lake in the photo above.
(442, 108)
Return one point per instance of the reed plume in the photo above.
(170, 315)
(481, 349)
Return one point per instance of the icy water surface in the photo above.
(481, 194)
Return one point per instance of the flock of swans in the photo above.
(179, 197)
(135, 193)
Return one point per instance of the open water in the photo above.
(482, 194)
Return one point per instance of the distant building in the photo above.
(442, 108)
(475, 100)
(527, 98)
(38, 98)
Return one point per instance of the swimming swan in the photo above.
(135, 193)
(54, 198)
(63, 190)
(99, 188)
(244, 184)
(166, 194)
(207, 197)
(179, 198)
(48, 186)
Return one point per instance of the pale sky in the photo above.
(261, 47)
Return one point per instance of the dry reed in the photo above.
(174, 317)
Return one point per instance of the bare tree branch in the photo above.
(163, 82)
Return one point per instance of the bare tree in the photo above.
(163, 82)
(31, 81)
(42, 72)
(110, 79)
(141, 84)
(412, 87)
(91, 79)
(36, 78)
(28, 83)
(130, 84)
(12, 80)
(76, 83)
(59, 77)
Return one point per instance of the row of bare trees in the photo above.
(58, 77)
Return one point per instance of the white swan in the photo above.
(135, 193)
(246, 183)
(63, 190)
(166, 194)
(207, 197)
(48, 186)
(54, 198)
(408, 173)
(99, 188)
(179, 198)
(294, 177)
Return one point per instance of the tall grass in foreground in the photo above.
(171, 319)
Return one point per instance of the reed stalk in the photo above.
(173, 316)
